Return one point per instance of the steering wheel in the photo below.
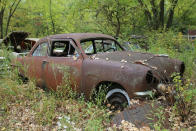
(110, 49)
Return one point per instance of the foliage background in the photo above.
(120, 18)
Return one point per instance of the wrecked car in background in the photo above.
(136, 43)
(18, 43)
(93, 60)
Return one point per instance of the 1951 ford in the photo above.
(94, 59)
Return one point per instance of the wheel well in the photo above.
(23, 78)
(112, 85)
(115, 86)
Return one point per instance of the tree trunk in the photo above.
(8, 23)
(118, 19)
(1, 22)
(161, 13)
(52, 21)
(118, 28)
(146, 13)
(155, 15)
(171, 13)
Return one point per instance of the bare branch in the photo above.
(15, 7)
(12, 10)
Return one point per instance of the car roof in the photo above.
(81, 36)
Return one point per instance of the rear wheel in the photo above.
(23, 78)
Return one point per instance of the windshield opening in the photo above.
(99, 46)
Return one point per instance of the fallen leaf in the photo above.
(93, 57)
(123, 61)
(118, 111)
(153, 67)
(74, 57)
(108, 105)
(140, 62)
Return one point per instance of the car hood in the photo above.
(161, 65)
(15, 38)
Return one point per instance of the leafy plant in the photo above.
(185, 96)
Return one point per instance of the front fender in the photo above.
(131, 77)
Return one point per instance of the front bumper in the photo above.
(144, 93)
(160, 88)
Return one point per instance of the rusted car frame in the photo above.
(126, 74)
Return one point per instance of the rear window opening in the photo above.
(95, 46)
(62, 49)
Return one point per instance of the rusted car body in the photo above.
(130, 73)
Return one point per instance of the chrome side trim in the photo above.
(145, 93)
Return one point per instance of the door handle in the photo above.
(45, 61)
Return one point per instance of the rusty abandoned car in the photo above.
(94, 59)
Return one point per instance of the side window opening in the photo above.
(62, 49)
(41, 50)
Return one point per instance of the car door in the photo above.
(63, 65)
(35, 63)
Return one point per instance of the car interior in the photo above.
(99, 46)
(62, 49)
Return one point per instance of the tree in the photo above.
(2, 10)
(119, 18)
(11, 7)
(156, 13)
(112, 17)
(52, 21)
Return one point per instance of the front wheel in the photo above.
(117, 99)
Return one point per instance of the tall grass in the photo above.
(183, 107)
(25, 106)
